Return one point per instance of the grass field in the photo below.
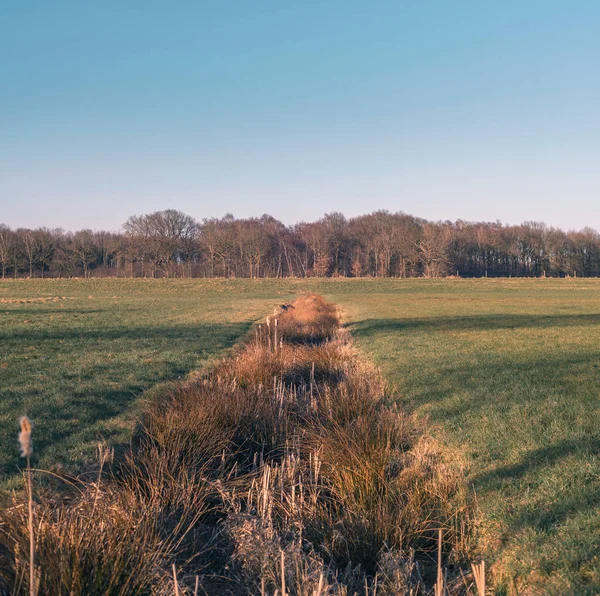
(77, 355)
(506, 372)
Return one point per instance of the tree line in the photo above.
(382, 244)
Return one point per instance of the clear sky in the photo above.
(478, 110)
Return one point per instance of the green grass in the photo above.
(506, 372)
(79, 365)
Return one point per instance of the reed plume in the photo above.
(26, 446)
(25, 440)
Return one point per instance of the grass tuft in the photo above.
(284, 468)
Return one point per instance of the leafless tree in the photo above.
(6, 240)
(170, 243)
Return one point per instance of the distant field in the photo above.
(506, 371)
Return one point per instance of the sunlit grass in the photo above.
(508, 372)
(285, 466)
(504, 370)
(78, 365)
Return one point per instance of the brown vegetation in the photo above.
(285, 468)
(382, 244)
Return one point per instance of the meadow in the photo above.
(507, 373)
(76, 356)
(503, 372)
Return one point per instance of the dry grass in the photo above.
(284, 468)
(309, 320)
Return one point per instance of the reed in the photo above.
(284, 468)
(479, 577)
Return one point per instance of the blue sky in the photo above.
(445, 109)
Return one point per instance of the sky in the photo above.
(475, 110)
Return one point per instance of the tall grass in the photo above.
(285, 468)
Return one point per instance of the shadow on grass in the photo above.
(150, 332)
(369, 327)
(582, 498)
(539, 458)
(69, 416)
(487, 374)
(556, 481)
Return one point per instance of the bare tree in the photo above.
(45, 241)
(28, 241)
(170, 243)
(6, 237)
(83, 249)
(433, 247)
(166, 237)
